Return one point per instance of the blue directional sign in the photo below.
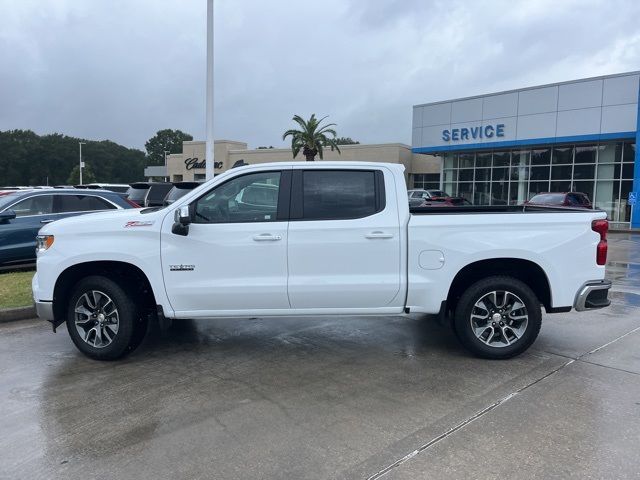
(633, 198)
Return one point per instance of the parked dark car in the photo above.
(138, 192)
(561, 199)
(446, 202)
(417, 197)
(24, 212)
(157, 193)
(179, 190)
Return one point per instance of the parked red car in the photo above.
(561, 199)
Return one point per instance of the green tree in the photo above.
(311, 138)
(165, 140)
(87, 175)
(346, 141)
(30, 159)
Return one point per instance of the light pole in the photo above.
(166, 173)
(81, 162)
(208, 153)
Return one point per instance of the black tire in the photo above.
(497, 344)
(131, 327)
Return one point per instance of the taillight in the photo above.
(132, 203)
(601, 227)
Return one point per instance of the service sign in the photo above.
(473, 133)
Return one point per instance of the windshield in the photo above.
(137, 194)
(437, 193)
(5, 200)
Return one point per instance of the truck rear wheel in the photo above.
(498, 317)
(102, 319)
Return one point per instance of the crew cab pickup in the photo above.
(319, 238)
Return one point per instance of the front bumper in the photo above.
(592, 295)
(44, 308)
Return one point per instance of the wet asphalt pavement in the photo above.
(393, 398)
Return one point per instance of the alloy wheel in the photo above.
(499, 318)
(96, 318)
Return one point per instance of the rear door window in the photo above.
(81, 203)
(338, 194)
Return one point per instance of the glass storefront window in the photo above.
(609, 153)
(603, 172)
(500, 174)
(564, 186)
(465, 190)
(466, 175)
(561, 172)
(450, 160)
(499, 193)
(481, 194)
(584, 171)
(483, 160)
(541, 156)
(450, 175)
(501, 159)
(586, 154)
(483, 174)
(518, 193)
(538, 187)
(466, 160)
(562, 155)
(627, 170)
(629, 154)
(606, 197)
(540, 173)
(609, 171)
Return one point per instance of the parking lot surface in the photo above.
(338, 397)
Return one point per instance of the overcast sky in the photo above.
(123, 69)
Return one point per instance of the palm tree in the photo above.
(311, 138)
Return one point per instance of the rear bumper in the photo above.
(592, 295)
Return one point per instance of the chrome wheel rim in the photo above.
(96, 318)
(499, 318)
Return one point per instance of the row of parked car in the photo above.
(438, 198)
(24, 210)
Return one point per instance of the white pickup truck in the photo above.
(321, 238)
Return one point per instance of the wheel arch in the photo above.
(134, 279)
(526, 271)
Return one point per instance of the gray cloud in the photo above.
(124, 69)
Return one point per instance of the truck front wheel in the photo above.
(102, 319)
(498, 317)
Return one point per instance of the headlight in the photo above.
(43, 242)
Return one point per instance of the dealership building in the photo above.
(502, 148)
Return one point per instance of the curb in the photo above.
(19, 313)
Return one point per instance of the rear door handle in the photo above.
(267, 237)
(46, 221)
(379, 235)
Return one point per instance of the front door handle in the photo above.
(267, 237)
(46, 221)
(379, 235)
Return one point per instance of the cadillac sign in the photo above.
(195, 163)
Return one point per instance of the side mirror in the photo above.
(7, 215)
(182, 219)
